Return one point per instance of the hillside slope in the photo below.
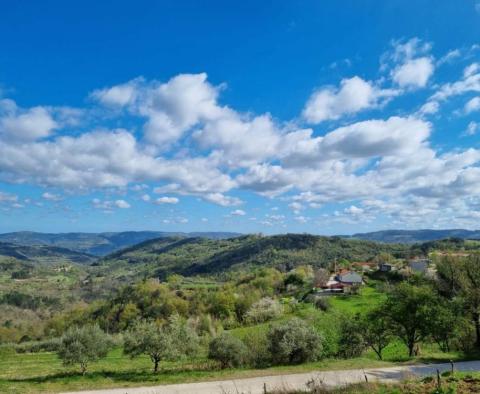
(44, 254)
(98, 244)
(192, 256)
(415, 236)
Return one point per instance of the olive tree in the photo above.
(263, 310)
(83, 345)
(168, 342)
(294, 342)
(228, 350)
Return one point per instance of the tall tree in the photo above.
(411, 309)
(377, 330)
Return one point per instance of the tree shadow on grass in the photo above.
(134, 376)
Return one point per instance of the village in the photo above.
(347, 278)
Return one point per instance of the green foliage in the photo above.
(293, 342)
(169, 342)
(82, 345)
(377, 330)
(322, 303)
(411, 310)
(351, 341)
(192, 256)
(258, 352)
(264, 310)
(228, 350)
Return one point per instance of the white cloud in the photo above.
(354, 95)
(221, 199)
(301, 219)
(238, 212)
(414, 73)
(146, 197)
(472, 105)
(122, 204)
(119, 95)
(430, 107)
(448, 58)
(472, 128)
(353, 210)
(167, 200)
(7, 197)
(108, 205)
(471, 70)
(469, 83)
(25, 125)
(51, 196)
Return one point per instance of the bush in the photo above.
(82, 345)
(48, 345)
(322, 303)
(257, 345)
(294, 342)
(351, 341)
(228, 350)
(265, 309)
(464, 338)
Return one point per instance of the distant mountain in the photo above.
(99, 244)
(192, 256)
(414, 236)
(44, 254)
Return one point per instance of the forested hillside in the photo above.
(98, 244)
(192, 256)
(41, 254)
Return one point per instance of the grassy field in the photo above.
(43, 372)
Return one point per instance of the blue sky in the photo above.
(273, 116)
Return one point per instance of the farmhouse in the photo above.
(384, 267)
(419, 266)
(349, 278)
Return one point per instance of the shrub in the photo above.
(48, 345)
(228, 350)
(82, 345)
(265, 309)
(293, 342)
(322, 303)
(257, 345)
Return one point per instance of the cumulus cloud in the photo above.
(25, 125)
(119, 95)
(413, 73)
(472, 128)
(410, 63)
(353, 95)
(189, 144)
(122, 204)
(167, 200)
(472, 105)
(51, 196)
(108, 205)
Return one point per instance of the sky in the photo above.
(246, 116)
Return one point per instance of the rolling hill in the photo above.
(194, 255)
(44, 254)
(415, 236)
(98, 244)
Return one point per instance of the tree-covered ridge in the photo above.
(44, 254)
(192, 256)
